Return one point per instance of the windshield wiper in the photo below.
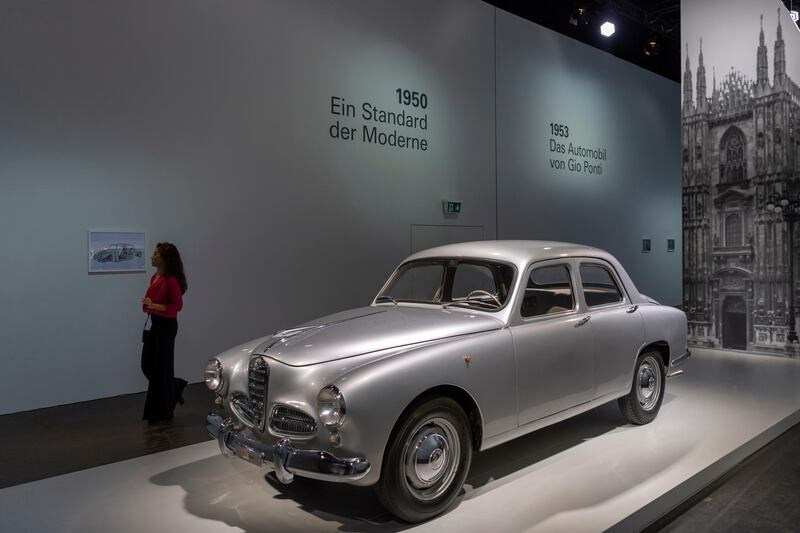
(384, 297)
(468, 303)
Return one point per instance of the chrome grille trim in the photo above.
(288, 420)
(257, 385)
(241, 407)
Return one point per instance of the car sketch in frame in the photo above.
(116, 251)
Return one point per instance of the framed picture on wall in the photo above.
(116, 251)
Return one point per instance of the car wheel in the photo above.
(426, 461)
(642, 403)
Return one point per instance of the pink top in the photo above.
(164, 290)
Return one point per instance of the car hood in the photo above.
(370, 329)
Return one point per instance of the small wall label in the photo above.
(451, 207)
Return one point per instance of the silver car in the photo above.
(467, 346)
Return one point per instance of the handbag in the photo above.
(146, 329)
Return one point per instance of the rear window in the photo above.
(599, 287)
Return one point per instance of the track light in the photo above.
(607, 29)
(579, 16)
(652, 47)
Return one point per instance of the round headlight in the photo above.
(330, 407)
(213, 375)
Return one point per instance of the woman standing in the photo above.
(162, 302)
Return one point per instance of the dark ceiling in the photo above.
(647, 31)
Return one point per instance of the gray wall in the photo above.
(545, 77)
(207, 124)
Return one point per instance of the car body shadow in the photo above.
(242, 496)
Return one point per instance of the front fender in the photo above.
(234, 365)
(378, 392)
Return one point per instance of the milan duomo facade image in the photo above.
(741, 180)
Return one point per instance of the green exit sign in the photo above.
(451, 207)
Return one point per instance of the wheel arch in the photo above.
(662, 347)
(461, 397)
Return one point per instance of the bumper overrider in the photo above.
(678, 362)
(284, 458)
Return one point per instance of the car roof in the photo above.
(519, 253)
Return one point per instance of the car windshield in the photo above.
(473, 283)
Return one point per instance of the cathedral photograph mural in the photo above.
(741, 185)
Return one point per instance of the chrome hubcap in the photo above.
(648, 383)
(431, 458)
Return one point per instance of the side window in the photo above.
(469, 278)
(599, 287)
(549, 291)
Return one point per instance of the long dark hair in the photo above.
(173, 266)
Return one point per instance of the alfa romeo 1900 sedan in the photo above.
(467, 346)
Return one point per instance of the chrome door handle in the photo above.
(632, 308)
(582, 321)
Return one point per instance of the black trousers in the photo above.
(158, 366)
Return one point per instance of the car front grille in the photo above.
(291, 421)
(241, 406)
(257, 385)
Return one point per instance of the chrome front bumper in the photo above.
(285, 459)
(678, 361)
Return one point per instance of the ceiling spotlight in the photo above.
(652, 47)
(579, 16)
(607, 29)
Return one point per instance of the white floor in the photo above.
(590, 473)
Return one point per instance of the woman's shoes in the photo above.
(160, 423)
(180, 384)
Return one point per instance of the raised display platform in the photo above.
(590, 473)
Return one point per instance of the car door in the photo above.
(552, 343)
(617, 326)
